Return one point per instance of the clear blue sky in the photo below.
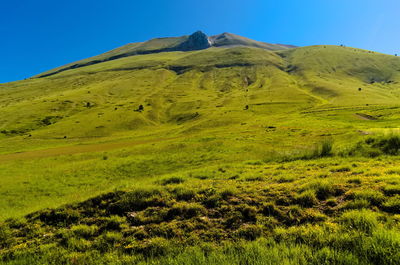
(37, 35)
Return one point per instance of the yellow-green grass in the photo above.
(321, 206)
(205, 105)
(225, 119)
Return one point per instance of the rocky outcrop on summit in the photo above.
(196, 41)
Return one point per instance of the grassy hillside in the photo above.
(229, 39)
(196, 41)
(158, 158)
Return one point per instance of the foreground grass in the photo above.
(325, 211)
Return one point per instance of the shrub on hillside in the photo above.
(389, 145)
(322, 149)
(376, 146)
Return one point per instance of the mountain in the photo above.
(196, 41)
(206, 85)
(204, 150)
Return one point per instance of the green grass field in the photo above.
(221, 156)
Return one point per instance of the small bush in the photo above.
(323, 149)
(376, 146)
(389, 145)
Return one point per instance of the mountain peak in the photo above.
(196, 41)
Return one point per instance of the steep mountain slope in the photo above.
(346, 75)
(247, 101)
(181, 150)
(177, 87)
(196, 41)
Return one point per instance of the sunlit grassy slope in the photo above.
(217, 118)
(193, 90)
(252, 100)
(196, 41)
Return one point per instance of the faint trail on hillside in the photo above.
(76, 149)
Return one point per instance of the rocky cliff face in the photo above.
(196, 41)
